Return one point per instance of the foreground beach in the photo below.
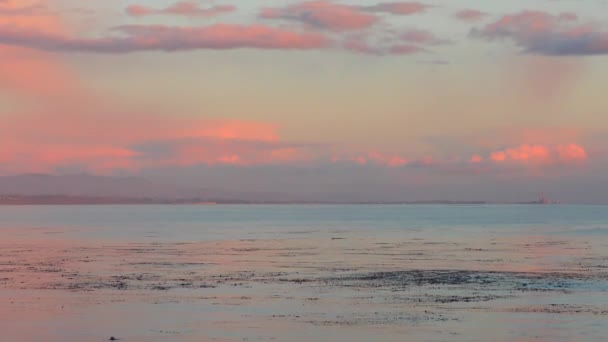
(324, 282)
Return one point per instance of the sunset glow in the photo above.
(85, 88)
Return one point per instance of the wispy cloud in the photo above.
(422, 37)
(106, 142)
(541, 154)
(136, 38)
(324, 15)
(399, 8)
(470, 15)
(546, 34)
(181, 8)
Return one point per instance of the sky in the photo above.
(314, 100)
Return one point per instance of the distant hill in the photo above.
(83, 185)
(90, 189)
(44, 188)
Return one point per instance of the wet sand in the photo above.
(340, 286)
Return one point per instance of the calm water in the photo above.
(221, 222)
(304, 273)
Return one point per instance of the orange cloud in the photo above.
(476, 159)
(498, 156)
(230, 129)
(43, 142)
(572, 152)
(536, 153)
(539, 154)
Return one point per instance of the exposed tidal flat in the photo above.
(304, 273)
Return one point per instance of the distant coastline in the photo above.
(99, 200)
(85, 189)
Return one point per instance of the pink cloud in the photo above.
(235, 152)
(539, 154)
(360, 45)
(530, 153)
(25, 72)
(168, 38)
(233, 159)
(476, 159)
(183, 8)
(23, 156)
(139, 38)
(332, 16)
(419, 37)
(375, 158)
(361, 160)
(323, 14)
(572, 153)
(407, 42)
(139, 10)
(232, 129)
(98, 142)
(498, 156)
(397, 161)
(470, 15)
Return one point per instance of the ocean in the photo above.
(208, 222)
(304, 272)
